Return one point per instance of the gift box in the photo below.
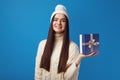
(89, 43)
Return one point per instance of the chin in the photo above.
(60, 32)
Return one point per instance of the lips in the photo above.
(58, 27)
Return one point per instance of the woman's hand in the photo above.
(88, 55)
(80, 56)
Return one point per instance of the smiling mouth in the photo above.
(58, 27)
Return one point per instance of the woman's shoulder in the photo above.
(73, 46)
(42, 42)
(72, 43)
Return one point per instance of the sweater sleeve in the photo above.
(38, 70)
(72, 71)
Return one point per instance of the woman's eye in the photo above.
(64, 21)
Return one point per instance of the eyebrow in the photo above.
(61, 18)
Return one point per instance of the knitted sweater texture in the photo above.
(72, 71)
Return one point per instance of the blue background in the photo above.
(24, 23)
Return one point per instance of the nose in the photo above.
(59, 22)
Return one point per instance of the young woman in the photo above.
(58, 58)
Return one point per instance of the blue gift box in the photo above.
(89, 43)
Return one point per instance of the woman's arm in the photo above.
(72, 68)
(38, 71)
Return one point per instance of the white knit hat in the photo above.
(59, 9)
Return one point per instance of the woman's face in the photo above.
(59, 23)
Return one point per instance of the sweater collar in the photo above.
(59, 36)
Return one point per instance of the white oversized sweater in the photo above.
(72, 71)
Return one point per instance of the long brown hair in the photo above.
(46, 57)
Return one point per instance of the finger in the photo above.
(94, 53)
